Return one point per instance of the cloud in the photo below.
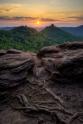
(17, 18)
(11, 1)
(6, 8)
(78, 18)
(20, 18)
(48, 20)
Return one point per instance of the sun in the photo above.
(38, 22)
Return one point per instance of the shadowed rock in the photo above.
(64, 62)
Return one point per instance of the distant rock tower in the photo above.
(52, 25)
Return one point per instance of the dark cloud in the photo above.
(17, 18)
(20, 18)
(48, 20)
(24, 18)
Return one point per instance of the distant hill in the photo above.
(22, 37)
(26, 38)
(19, 37)
(76, 31)
(57, 35)
(24, 29)
(23, 33)
(6, 28)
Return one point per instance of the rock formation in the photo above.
(42, 88)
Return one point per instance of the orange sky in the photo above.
(40, 13)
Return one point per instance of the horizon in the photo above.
(39, 14)
(37, 28)
(40, 26)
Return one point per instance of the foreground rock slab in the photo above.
(14, 68)
(42, 88)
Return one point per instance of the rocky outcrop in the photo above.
(14, 68)
(42, 88)
(64, 62)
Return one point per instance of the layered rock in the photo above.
(64, 62)
(42, 88)
(14, 67)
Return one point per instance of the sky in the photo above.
(39, 13)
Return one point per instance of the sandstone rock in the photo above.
(14, 68)
(2, 52)
(42, 88)
(65, 65)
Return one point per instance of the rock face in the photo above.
(64, 62)
(14, 68)
(42, 88)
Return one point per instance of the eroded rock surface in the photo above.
(14, 68)
(42, 88)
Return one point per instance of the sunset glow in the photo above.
(41, 13)
(38, 22)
